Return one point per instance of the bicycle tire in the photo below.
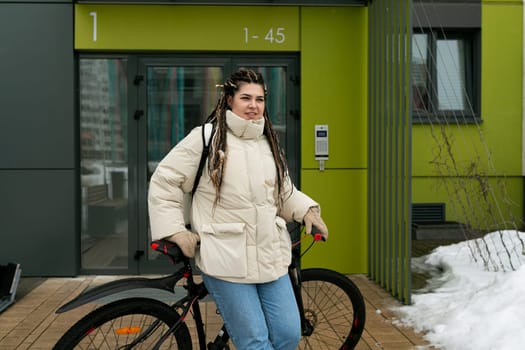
(117, 324)
(334, 307)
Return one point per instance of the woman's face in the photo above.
(248, 101)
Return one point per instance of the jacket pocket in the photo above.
(223, 250)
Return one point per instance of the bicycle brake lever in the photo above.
(316, 234)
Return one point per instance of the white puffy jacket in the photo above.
(243, 239)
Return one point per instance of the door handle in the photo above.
(138, 114)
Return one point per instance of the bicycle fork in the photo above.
(306, 327)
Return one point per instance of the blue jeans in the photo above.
(260, 316)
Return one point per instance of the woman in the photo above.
(239, 214)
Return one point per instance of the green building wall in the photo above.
(483, 185)
(334, 92)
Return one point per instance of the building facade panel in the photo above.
(38, 208)
(38, 218)
(37, 86)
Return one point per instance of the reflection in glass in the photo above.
(104, 163)
(439, 75)
(179, 99)
(451, 75)
(420, 83)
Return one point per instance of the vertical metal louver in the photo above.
(389, 149)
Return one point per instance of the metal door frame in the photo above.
(137, 137)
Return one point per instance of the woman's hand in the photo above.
(313, 218)
(187, 242)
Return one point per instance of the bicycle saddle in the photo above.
(168, 248)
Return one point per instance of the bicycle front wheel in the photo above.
(136, 323)
(334, 308)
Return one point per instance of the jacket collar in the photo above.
(245, 129)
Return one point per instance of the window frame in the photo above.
(471, 39)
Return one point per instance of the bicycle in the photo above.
(331, 307)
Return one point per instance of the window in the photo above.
(445, 76)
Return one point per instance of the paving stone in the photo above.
(31, 322)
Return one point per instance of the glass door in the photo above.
(104, 163)
(179, 93)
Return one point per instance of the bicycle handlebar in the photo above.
(173, 251)
(316, 233)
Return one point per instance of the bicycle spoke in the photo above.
(128, 324)
(129, 332)
(329, 302)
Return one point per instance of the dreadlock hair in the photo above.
(217, 117)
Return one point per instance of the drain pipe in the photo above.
(523, 108)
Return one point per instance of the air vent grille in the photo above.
(428, 212)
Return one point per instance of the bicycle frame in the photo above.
(195, 292)
(295, 278)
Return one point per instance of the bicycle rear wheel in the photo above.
(120, 324)
(335, 309)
